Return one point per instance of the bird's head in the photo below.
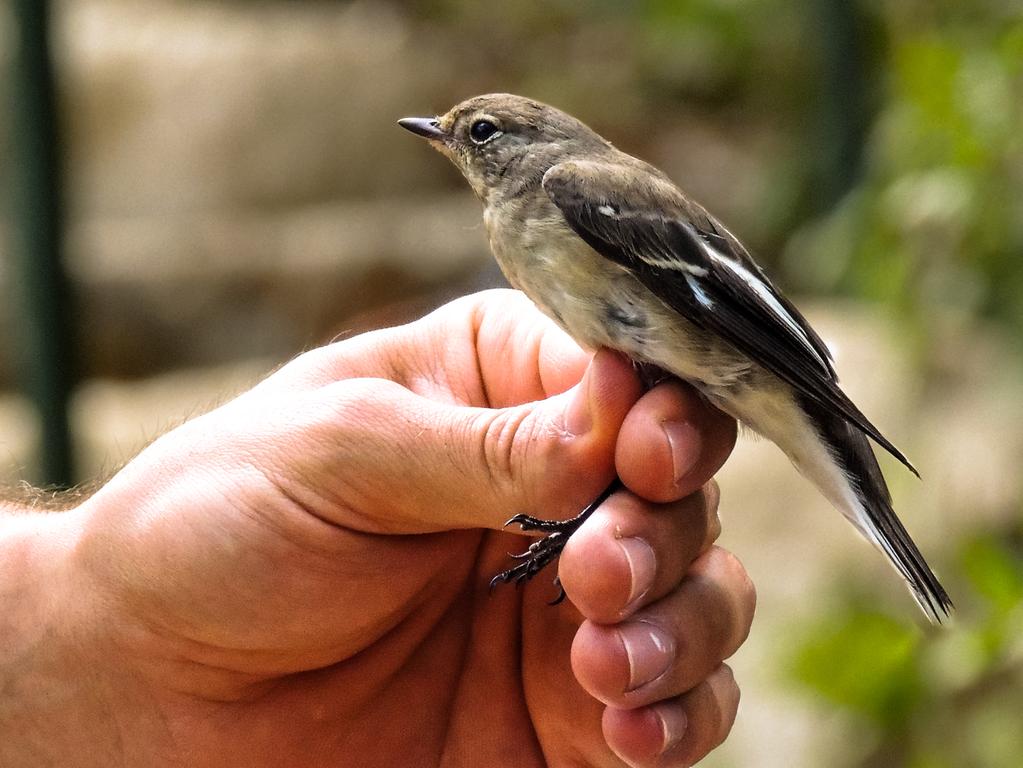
(500, 141)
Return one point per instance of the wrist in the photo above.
(56, 708)
(35, 552)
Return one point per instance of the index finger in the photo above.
(492, 349)
(631, 552)
(672, 443)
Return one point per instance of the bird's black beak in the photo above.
(427, 127)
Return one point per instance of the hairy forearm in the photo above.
(54, 689)
(25, 499)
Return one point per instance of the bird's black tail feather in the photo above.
(852, 451)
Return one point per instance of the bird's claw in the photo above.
(536, 557)
(530, 523)
(561, 592)
(545, 551)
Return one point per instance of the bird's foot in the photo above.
(545, 551)
(530, 523)
(541, 552)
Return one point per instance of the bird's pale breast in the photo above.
(600, 303)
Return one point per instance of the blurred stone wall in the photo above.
(237, 187)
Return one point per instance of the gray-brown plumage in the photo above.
(618, 255)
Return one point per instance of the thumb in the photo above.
(401, 463)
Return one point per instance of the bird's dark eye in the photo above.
(482, 130)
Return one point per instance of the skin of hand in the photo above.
(299, 577)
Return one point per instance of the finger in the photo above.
(410, 464)
(632, 552)
(672, 443)
(513, 336)
(676, 732)
(670, 646)
(491, 349)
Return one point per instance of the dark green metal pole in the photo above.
(42, 321)
(844, 110)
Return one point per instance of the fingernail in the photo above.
(642, 566)
(579, 416)
(650, 651)
(673, 724)
(686, 444)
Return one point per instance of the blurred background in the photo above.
(195, 192)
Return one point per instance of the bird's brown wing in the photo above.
(685, 257)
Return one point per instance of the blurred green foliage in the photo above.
(864, 662)
(935, 225)
(941, 698)
(898, 172)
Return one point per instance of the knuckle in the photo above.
(724, 677)
(626, 513)
(748, 593)
(742, 594)
(356, 404)
(507, 435)
(724, 430)
(690, 524)
(470, 307)
(743, 590)
(728, 695)
(727, 564)
(496, 445)
(711, 500)
(711, 708)
(727, 588)
(706, 722)
(704, 626)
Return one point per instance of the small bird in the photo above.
(620, 257)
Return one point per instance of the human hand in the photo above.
(300, 576)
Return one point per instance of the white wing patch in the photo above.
(698, 292)
(753, 282)
(670, 261)
(761, 289)
(676, 265)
